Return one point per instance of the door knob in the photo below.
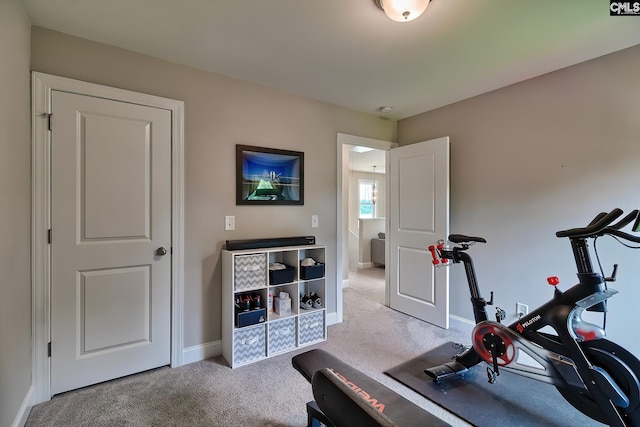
(161, 251)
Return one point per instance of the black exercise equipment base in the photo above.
(512, 401)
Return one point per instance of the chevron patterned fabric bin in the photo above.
(249, 344)
(250, 271)
(311, 327)
(282, 335)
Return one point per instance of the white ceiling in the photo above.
(364, 162)
(347, 52)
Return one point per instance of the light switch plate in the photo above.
(229, 223)
(315, 222)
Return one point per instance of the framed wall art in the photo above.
(269, 176)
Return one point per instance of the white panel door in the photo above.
(419, 217)
(110, 214)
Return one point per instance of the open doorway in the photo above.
(366, 207)
(366, 222)
(362, 213)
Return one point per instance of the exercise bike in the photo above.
(595, 375)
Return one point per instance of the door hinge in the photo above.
(48, 117)
(49, 236)
(49, 349)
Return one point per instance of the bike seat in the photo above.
(461, 238)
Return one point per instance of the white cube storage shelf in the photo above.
(247, 272)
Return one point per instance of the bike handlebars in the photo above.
(626, 220)
(601, 225)
(594, 228)
(597, 218)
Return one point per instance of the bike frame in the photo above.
(561, 360)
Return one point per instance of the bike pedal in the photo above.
(491, 376)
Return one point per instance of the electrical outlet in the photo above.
(229, 223)
(521, 309)
(314, 221)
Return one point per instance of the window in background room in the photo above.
(367, 197)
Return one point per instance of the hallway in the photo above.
(368, 283)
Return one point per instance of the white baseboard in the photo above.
(200, 352)
(461, 324)
(25, 409)
(363, 265)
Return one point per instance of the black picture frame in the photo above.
(269, 176)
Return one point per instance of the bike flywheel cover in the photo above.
(488, 336)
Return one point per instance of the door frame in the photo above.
(41, 87)
(342, 210)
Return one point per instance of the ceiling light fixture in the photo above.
(374, 193)
(402, 10)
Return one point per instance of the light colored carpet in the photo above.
(269, 393)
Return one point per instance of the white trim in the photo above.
(42, 85)
(345, 139)
(461, 324)
(25, 409)
(332, 318)
(39, 248)
(364, 265)
(177, 234)
(200, 352)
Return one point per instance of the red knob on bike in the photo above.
(432, 249)
(553, 280)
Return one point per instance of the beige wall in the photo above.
(368, 228)
(537, 157)
(15, 208)
(219, 113)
